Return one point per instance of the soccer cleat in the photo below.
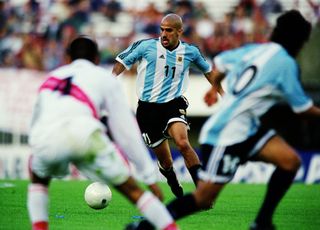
(255, 226)
(141, 225)
(172, 181)
(132, 226)
(172, 226)
(175, 187)
(144, 225)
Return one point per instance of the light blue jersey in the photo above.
(162, 74)
(258, 76)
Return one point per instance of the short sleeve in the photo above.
(201, 63)
(292, 87)
(130, 55)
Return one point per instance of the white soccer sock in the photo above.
(154, 211)
(38, 203)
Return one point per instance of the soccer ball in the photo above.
(97, 195)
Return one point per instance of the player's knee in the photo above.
(204, 201)
(205, 204)
(183, 145)
(293, 163)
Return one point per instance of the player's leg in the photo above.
(102, 161)
(201, 199)
(148, 204)
(152, 122)
(287, 162)
(207, 190)
(179, 132)
(165, 164)
(37, 201)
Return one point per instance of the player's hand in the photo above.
(155, 189)
(211, 97)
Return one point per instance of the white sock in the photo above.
(154, 211)
(37, 203)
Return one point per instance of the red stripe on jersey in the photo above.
(53, 83)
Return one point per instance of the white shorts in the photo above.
(81, 141)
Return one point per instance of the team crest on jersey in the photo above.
(182, 111)
(179, 59)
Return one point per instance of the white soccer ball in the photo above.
(98, 195)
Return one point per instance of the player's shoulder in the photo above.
(282, 56)
(145, 42)
(60, 71)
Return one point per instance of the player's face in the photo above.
(169, 35)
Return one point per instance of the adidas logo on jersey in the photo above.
(162, 56)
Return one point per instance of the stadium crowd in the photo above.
(34, 34)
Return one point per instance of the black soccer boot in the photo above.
(141, 225)
(255, 226)
(172, 180)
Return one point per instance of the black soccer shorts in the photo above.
(220, 163)
(154, 118)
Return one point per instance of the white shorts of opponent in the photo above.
(81, 141)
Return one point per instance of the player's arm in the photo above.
(128, 57)
(214, 77)
(312, 112)
(126, 134)
(118, 68)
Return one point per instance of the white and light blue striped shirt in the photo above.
(258, 76)
(162, 74)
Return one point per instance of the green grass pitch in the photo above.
(235, 208)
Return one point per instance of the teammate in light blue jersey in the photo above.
(163, 76)
(257, 77)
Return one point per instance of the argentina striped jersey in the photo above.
(258, 76)
(162, 75)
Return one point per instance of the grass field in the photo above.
(235, 208)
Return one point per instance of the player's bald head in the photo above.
(172, 19)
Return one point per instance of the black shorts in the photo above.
(221, 162)
(154, 118)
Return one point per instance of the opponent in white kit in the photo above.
(66, 128)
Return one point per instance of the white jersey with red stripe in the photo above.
(76, 96)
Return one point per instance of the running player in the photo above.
(163, 74)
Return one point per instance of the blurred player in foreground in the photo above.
(163, 75)
(258, 76)
(66, 128)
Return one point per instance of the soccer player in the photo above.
(257, 77)
(66, 128)
(162, 79)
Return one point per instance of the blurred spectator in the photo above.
(248, 6)
(316, 10)
(79, 17)
(170, 7)
(185, 10)
(271, 7)
(30, 55)
(113, 9)
(53, 54)
(150, 20)
(3, 18)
